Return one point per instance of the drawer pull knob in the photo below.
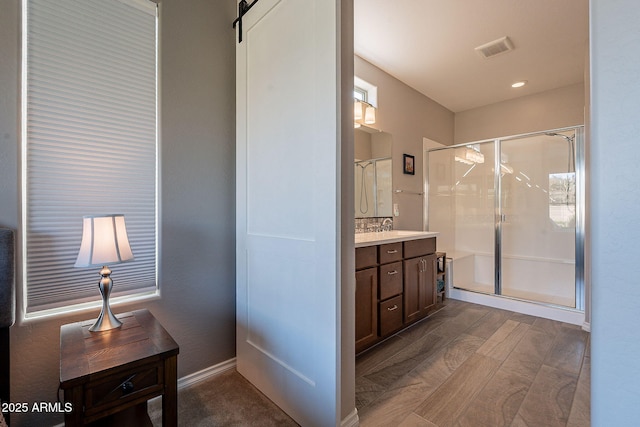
(127, 387)
(393, 251)
(395, 307)
(391, 273)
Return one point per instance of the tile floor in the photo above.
(471, 365)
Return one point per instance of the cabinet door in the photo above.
(419, 287)
(366, 307)
(413, 288)
(428, 296)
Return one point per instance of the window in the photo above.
(90, 145)
(360, 94)
(562, 199)
(365, 91)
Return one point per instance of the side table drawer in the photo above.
(121, 388)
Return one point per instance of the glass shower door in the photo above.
(538, 221)
(462, 209)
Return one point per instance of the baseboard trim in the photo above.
(586, 326)
(206, 373)
(351, 420)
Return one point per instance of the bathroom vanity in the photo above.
(395, 282)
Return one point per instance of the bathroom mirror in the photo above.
(372, 172)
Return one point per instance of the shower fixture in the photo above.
(364, 199)
(571, 167)
(568, 138)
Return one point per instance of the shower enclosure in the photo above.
(511, 215)
(373, 188)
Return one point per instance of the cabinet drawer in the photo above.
(415, 248)
(390, 315)
(390, 252)
(390, 280)
(366, 257)
(121, 388)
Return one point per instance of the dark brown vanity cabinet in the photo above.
(395, 286)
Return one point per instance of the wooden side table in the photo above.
(103, 374)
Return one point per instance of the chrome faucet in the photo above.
(387, 225)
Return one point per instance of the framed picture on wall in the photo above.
(409, 164)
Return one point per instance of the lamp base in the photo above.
(107, 320)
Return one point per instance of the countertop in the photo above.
(382, 237)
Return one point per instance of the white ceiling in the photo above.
(429, 45)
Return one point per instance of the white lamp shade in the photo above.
(370, 115)
(357, 110)
(104, 241)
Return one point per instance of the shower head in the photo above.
(568, 138)
(571, 167)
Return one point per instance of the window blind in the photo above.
(89, 143)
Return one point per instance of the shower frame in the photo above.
(579, 158)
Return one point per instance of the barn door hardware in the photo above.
(243, 8)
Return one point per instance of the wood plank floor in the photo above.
(471, 365)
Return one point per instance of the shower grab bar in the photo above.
(417, 193)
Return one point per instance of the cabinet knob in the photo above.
(393, 251)
(127, 387)
(392, 272)
(395, 307)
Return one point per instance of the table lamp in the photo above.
(104, 241)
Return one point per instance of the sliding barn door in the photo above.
(288, 206)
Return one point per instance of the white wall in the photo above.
(615, 208)
(557, 108)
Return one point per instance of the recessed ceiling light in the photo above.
(519, 84)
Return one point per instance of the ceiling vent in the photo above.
(495, 47)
